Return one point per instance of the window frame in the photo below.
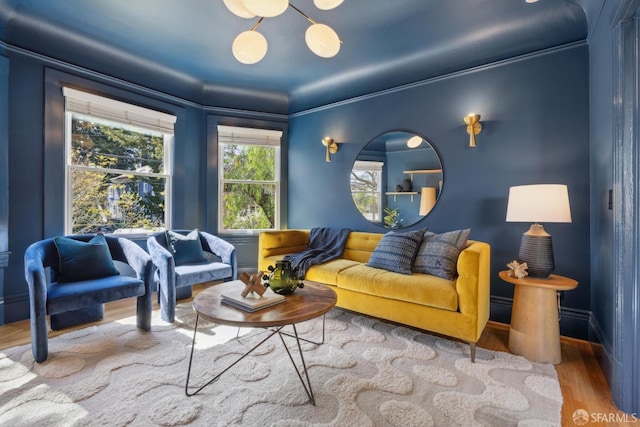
(249, 136)
(122, 115)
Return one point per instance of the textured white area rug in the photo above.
(368, 373)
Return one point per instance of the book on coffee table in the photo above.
(253, 301)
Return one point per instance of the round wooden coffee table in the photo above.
(304, 304)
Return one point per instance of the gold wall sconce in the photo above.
(473, 127)
(332, 147)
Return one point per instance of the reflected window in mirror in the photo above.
(392, 174)
(366, 188)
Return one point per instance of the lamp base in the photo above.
(537, 252)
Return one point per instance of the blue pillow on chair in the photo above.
(80, 260)
(185, 249)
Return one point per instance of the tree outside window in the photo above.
(249, 180)
(117, 177)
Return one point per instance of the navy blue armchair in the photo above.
(176, 274)
(69, 302)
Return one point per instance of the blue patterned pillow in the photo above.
(438, 253)
(396, 251)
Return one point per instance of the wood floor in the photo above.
(582, 382)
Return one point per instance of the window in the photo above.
(366, 188)
(118, 168)
(249, 179)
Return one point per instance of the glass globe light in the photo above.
(414, 141)
(237, 8)
(327, 4)
(266, 8)
(322, 40)
(249, 47)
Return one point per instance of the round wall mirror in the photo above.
(396, 179)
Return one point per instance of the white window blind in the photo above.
(109, 109)
(250, 136)
(364, 165)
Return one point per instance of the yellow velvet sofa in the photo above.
(457, 308)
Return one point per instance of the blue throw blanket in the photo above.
(325, 244)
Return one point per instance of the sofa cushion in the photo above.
(417, 288)
(63, 297)
(78, 260)
(396, 251)
(328, 272)
(360, 245)
(185, 249)
(282, 242)
(438, 253)
(190, 274)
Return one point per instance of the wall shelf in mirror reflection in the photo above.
(422, 172)
(401, 193)
(380, 171)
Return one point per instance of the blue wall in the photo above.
(535, 114)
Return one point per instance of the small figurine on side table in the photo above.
(518, 270)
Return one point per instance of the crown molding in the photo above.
(444, 77)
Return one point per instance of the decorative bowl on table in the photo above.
(283, 279)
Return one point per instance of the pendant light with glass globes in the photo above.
(249, 47)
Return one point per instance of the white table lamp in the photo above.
(538, 203)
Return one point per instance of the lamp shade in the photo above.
(322, 40)
(427, 200)
(249, 47)
(539, 203)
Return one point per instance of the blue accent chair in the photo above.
(77, 302)
(174, 282)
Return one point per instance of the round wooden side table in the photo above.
(535, 330)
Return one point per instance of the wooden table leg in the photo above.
(535, 331)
